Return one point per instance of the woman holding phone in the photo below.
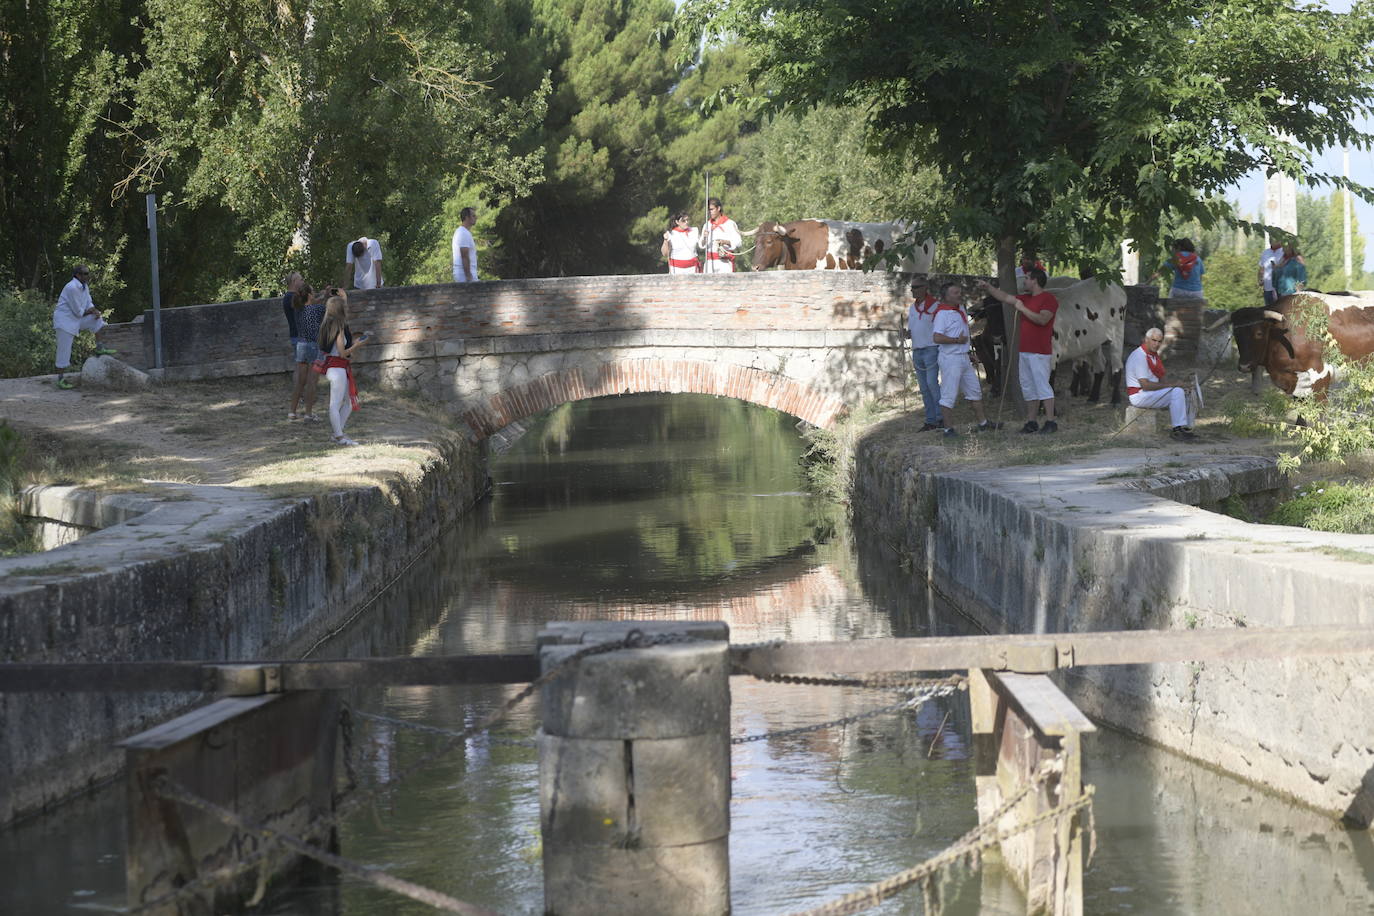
(337, 344)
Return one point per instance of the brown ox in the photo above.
(802, 244)
(1278, 339)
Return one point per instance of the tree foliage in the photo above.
(1321, 239)
(1070, 125)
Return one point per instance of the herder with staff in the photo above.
(720, 239)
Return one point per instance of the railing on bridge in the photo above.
(633, 756)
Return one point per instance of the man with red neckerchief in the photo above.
(957, 375)
(1034, 346)
(720, 238)
(1146, 388)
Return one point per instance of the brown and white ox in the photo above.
(828, 244)
(1277, 339)
(1091, 326)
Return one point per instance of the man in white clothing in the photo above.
(365, 255)
(1146, 388)
(465, 249)
(75, 313)
(957, 375)
(1269, 259)
(720, 239)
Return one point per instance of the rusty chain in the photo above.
(984, 836)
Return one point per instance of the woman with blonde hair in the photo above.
(337, 344)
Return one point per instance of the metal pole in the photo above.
(1349, 275)
(707, 228)
(157, 289)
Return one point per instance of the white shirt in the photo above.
(72, 303)
(951, 323)
(1137, 369)
(726, 232)
(1269, 259)
(363, 275)
(920, 322)
(462, 238)
(682, 244)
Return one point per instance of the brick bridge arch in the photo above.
(640, 376)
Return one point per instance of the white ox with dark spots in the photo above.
(1091, 326)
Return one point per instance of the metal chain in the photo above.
(912, 702)
(440, 901)
(885, 680)
(984, 836)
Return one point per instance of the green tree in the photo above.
(1321, 239)
(602, 142)
(318, 121)
(1073, 124)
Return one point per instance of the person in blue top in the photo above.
(1186, 268)
(1290, 274)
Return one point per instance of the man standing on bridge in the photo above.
(465, 248)
(365, 255)
(957, 374)
(1034, 345)
(720, 238)
(925, 353)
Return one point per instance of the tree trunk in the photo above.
(1012, 403)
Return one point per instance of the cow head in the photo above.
(770, 245)
(1254, 329)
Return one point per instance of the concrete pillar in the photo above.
(634, 772)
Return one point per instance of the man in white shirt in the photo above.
(720, 238)
(75, 313)
(957, 375)
(465, 248)
(1269, 259)
(925, 354)
(1145, 386)
(365, 255)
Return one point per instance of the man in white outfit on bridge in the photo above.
(720, 239)
(680, 243)
(75, 313)
(1146, 388)
(465, 248)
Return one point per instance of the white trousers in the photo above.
(957, 376)
(717, 266)
(1173, 398)
(340, 405)
(65, 339)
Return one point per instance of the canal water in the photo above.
(691, 507)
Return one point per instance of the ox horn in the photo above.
(1274, 316)
(1224, 319)
(749, 233)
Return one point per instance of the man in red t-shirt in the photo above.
(1034, 345)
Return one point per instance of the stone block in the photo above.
(108, 372)
(671, 792)
(622, 882)
(1141, 419)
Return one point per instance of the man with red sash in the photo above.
(680, 245)
(720, 238)
(1034, 346)
(1146, 388)
(957, 375)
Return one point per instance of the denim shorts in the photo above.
(306, 351)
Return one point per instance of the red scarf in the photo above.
(953, 308)
(1156, 367)
(923, 307)
(1185, 263)
(338, 362)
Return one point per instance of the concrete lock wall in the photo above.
(1084, 547)
(191, 572)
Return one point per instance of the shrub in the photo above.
(28, 342)
(1326, 506)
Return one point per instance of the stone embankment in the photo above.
(192, 572)
(1109, 543)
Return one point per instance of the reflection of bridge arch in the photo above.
(641, 376)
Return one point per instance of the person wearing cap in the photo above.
(925, 353)
(1146, 388)
(75, 312)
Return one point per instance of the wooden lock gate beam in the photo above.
(1025, 653)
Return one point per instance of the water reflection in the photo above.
(687, 507)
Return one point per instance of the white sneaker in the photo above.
(344, 440)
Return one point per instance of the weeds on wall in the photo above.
(828, 461)
(1329, 506)
(15, 536)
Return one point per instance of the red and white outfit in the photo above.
(721, 233)
(1035, 343)
(682, 251)
(1147, 366)
(957, 375)
(343, 389)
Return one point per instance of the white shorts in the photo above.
(957, 376)
(1034, 373)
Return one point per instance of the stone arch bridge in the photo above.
(807, 343)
